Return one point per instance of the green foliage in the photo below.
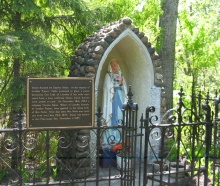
(40, 171)
(197, 56)
(173, 153)
(43, 35)
(144, 14)
(2, 174)
(217, 177)
(55, 172)
(25, 173)
(34, 165)
(37, 39)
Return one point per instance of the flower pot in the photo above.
(157, 166)
(126, 162)
(179, 169)
(107, 158)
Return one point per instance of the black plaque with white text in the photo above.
(60, 102)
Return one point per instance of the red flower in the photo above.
(117, 147)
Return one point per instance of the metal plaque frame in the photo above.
(60, 103)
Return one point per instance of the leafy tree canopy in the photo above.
(198, 44)
(37, 39)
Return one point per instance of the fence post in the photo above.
(216, 120)
(208, 137)
(147, 121)
(99, 123)
(19, 124)
(129, 139)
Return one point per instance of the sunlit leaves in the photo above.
(37, 39)
(144, 13)
(198, 42)
(10, 45)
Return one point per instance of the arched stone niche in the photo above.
(135, 63)
(139, 62)
(141, 68)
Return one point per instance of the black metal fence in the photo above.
(189, 151)
(182, 148)
(71, 156)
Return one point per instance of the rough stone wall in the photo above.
(88, 55)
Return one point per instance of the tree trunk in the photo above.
(16, 71)
(167, 41)
(14, 104)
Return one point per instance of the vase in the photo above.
(107, 158)
(157, 166)
(179, 168)
(123, 161)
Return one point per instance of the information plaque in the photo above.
(60, 102)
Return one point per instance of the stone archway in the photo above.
(140, 64)
(135, 63)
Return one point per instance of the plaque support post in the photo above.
(99, 115)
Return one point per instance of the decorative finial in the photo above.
(130, 94)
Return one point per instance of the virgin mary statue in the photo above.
(115, 92)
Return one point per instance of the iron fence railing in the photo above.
(189, 138)
(70, 156)
(180, 149)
